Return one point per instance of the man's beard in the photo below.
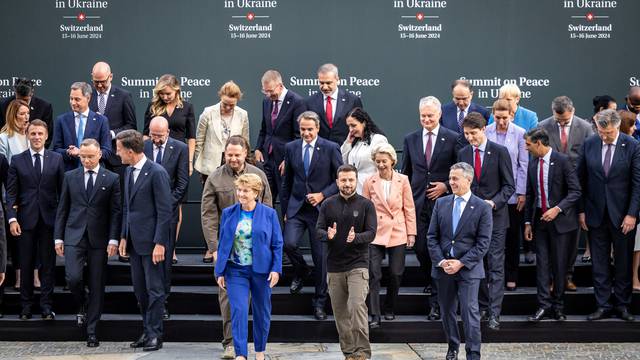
(349, 194)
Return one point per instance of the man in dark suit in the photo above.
(428, 154)
(609, 172)
(311, 165)
(173, 155)
(38, 108)
(87, 231)
(33, 188)
(4, 169)
(493, 182)
(458, 238)
(553, 190)
(114, 103)
(454, 112)
(332, 105)
(81, 123)
(280, 110)
(146, 223)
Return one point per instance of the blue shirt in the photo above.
(242, 244)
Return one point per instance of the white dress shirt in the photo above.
(311, 149)
(137, 168)
(425, 138)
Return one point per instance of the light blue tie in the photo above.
(80, 134)
(306, 159)
(457, 212)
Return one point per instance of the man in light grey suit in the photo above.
(567, 132)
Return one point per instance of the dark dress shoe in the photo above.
(375, 322)
(389, 316)
(174, 261)
(539, 315)
(625, 314)
(452, 354)
(123, 259)
(48, 315)
(484, 315)
(296, 285)
(511, 288)
(165, 313)
(140, 342)
(494, 323)
(428, 290)
(319, 314)
(434, 314)
(25, 315)
(560, 316)
(599, 315)
(92, 341)
(529, 257)
(152, 345)
(586, 259)
(80, 319)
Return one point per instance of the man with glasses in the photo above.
(454, 112)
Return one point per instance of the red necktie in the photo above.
(329, 112)
(543, 195)
(563, 138)
(478, 165)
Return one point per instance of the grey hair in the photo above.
(328, 68)
(430, 101)
(271, 75)
(309, 115)
(609, 117)
(387, 149)
(467, 170)
(561, 104)
(82, 86)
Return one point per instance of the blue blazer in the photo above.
(175, 160)
(523, 117)
(619, 192)
(325, 161)
(449, 118)
(28, 198)
(346, 102)
(470, 241)
(266, 239)
(146, 210)
(97, 127)
(286, 128)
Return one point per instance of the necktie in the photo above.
(131, 182)
(427, 150)
(477, 165)
(455, 218)
(543, 194)
(90, 184)
(101, 103)
(460, 118)
(159, 155)
(80, 133)
(306, 159)
(563, 138)
(329, 112)
(37, 164)
(274, 113)
(607, 160)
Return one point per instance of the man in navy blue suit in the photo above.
(458, 238)
(332, 105)
(609, 172)
(428, 154)
(87, 231)
(114, 103)
(146, 222)
(81, 123)
(454, 112)
(311, 165)
(33, 188)
(173, 155)
(493, 182)
(280, 110)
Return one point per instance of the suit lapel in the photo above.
(71, 120)
(440, 142)
(142, 177)
(90, 125)
(379, 189)
(315, 156)
(554, 135)
(29, 161)
(552, 170)
(217, 125)
(466, 213)
(283, 109)
(488, 157)
(620, 147)
(97, 182)
(168, 152)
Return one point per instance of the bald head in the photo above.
(101, 76)
(159, 130)
(633, 99)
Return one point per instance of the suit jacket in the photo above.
(619, 192)
(286, 128)
(449, 117)
(325, 161)
(4, 169)
(523, 117)
(209, 145)
(175, 160)
(563, 191)
(38, 109)
(396, 214)
(99, 215)
(470, 241)
(96, 127)
(28, 198)
(496, 179)
(515, 144)
(266, 239)
(579, 131)
(345, 102)
(414, 165)
(13, 145)
(121, 113)
(146, 210)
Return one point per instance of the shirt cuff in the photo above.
(59, 241)
(113, 134)
(114, 242)
(441, 261)
(13, 220)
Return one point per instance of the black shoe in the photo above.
(452, 354)
(428, 290)
(540, 314)
(81, 319)
(625, 314)
(152, 345)
(529, 257)
(494, 323)
(560, 316)
(165, 313)
(434, 314)
(48, 315)
(511, 288)
(319, 313)
(123, 259)
(25, 314)
(389, 316)
(375, 322)
(296, 285)
(599, 314)
(484, 315)
(92, 341)
(140, 342)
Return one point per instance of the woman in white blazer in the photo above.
(217, 123)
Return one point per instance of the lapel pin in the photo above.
(488, 152)
(343, 100)
(104, 175)
(442, 139)
(145, 174)
(550, 164)
(171, 147)
(623, 144)
(32, 108)
(112, 95)
(471, 207)
(103, 188)
(288, 102)
(318, 148)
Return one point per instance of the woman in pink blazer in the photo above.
(391, 194)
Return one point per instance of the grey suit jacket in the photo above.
(580, 130)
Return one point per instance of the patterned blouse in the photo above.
(242, 244)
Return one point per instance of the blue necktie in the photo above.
(457, 212)
(159, 155)
(80, 134)
(306, 159)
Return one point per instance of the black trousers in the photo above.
(512, 244)
(168, 257)
(377, 253)
(492, 286)
(273, 176)
(37, 245)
